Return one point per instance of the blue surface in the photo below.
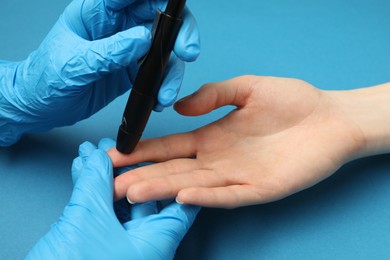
(332, 44)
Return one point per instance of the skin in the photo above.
(284, 136)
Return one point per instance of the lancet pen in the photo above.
(143, 95)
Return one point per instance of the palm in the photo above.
(280, 138)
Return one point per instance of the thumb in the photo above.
(164, 231)
(94, 185)
(174, 222)
(215, 95)
(107, 55)
(121, 49)
(179, 217)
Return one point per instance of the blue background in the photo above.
(332, 44)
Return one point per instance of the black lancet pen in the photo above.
(143, 95)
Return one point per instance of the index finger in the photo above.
(152, 5)
(117, 5)
(157, 150)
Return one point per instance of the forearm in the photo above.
(369, 109)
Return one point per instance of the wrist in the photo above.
(368, 109)
(7, 73)
(9, 120)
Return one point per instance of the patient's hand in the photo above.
(284, 136)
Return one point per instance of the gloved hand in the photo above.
(88, 58)
(89, 229)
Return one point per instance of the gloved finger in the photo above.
(142, 210)
(107, 55)
(85, 149)
(137, 11)
(106, 144)
(172, 82)
(77, 166)
(117, 5)
(94, 185)
(187, 45)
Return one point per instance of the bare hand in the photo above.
(284, 136)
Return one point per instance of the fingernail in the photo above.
(178, 201)
(130, 201)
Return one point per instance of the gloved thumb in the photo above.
(94, 184)
(107, 55)
(165, 230)
(121, 48)
(179, 217)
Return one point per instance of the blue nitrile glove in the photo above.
(89, 229)
(88, 58)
